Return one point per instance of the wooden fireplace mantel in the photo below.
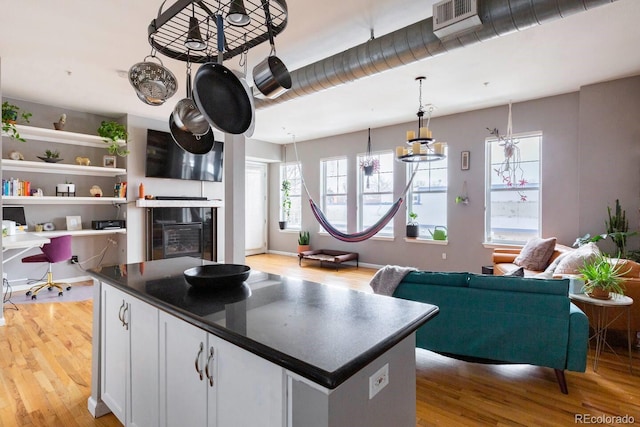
(215, 203)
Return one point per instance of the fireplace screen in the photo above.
(182, 240)
(175, 232)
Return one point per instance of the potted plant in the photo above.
(51, 156)
(602, 276)
(413, 228)
(303, 241)
(113, 133)
(10, 115)
(286, 203)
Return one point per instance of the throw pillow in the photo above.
(535, 255)
(574, 260)
(517, 272)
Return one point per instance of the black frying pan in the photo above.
(190, 142)
(220, 96)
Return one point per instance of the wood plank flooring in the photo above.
(45, 372)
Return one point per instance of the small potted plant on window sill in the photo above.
(413, 228)
(286, 203)
(602, 276)
(10, 115)
(113, 133)
(303, 241)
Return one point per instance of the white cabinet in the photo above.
(129, 353)
(206, 381)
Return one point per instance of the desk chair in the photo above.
(57, 251)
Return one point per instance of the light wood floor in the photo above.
(45, 372)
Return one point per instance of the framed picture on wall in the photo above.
(464, 160)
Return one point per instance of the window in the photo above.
(427, 196)
(375, 192)
(334, 191)
(513, 189)
(291, 173)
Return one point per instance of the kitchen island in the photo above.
(274, 351)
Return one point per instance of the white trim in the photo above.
(426, 241)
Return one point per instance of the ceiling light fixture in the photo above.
(423, 147)
(238, 14)
(194, 38)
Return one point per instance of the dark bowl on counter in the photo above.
(217, 276)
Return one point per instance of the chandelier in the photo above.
(421, 146)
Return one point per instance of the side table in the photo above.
(598, 318)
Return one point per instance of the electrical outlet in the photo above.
(444, 255)
(74, 259)
(378, 381)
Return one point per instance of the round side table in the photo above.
(600, 324)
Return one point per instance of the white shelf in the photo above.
(59, 168)
(143, 203)
(59, 200)
(80, 233)
(62, 137)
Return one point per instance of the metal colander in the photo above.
(152, 81)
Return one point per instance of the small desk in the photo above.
(600, 323)
(24, 241)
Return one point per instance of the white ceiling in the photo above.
(68, 53)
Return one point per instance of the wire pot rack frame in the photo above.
(169, 30)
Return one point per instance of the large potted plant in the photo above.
(303, 241)
(113, 133)
(286, 203)
(10, 115)
(413, 228)
(602, 276)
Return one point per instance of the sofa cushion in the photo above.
(573, 261)
(628, 268)
(519, 284)
(437, 278)
(516, 272)
(535, 255)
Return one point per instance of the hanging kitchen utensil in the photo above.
(219, 94)
(271, 76)
(186, 114)
(152, 81)
(188, 141)
(243, 79)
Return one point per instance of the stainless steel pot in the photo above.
(186, 114)
(271, 76)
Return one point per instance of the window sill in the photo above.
(492, 245)
(383, 238)
(426, 241)
(289, 230)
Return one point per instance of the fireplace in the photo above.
(181, 231)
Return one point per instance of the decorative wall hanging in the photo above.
(464, 160)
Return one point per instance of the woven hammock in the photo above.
(360, 235)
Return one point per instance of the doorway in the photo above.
(255, 208)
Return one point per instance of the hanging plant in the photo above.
(369, 164)
(510, 170)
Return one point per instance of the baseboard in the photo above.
(71, 280)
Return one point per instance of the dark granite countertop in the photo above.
(323, 333)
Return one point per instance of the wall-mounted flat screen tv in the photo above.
(166, 159)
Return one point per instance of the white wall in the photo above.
(590, 156)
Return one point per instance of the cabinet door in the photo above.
(183, 385)
(114, 350)
(143, 401)
(250, 390)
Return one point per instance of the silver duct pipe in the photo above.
(417, 42)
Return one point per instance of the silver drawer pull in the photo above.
(206, 368)
(198, 370)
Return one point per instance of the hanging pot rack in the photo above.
(168, 31)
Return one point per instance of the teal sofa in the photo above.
(501, 319)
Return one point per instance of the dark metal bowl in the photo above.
(216, 276)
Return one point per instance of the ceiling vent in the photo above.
(452, 17)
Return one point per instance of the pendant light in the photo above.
(194, 38)
(238, 14)
(423, 147)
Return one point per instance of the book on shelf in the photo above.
(16, 187)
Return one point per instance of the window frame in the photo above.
(323, 189)
(361, 179)
(489, 171)
(288, 169)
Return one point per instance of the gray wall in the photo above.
(590, 156)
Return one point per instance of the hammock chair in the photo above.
(360, 235)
